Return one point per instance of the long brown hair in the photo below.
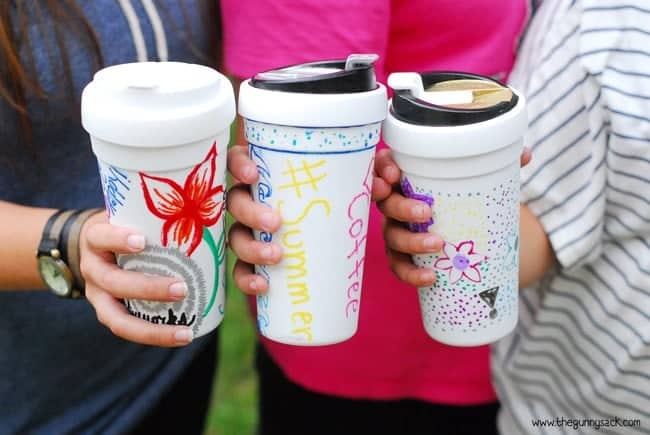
(18, 75)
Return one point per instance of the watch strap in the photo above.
(47, 243)
(57, 226)
(65, 235)
(69, 243)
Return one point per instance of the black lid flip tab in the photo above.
(354, 74)
(448, 98)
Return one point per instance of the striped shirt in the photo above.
(582, 347)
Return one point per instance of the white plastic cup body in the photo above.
(470, 175)
(166, 180)
(319, 177)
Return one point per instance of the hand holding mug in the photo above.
(401, 243)
(249, 215)
(107, 285)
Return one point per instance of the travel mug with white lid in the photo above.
(160, 131)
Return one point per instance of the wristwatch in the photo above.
(52, 265)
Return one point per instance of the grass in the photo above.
(233, 409)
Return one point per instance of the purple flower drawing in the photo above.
(460, 261)
(409, 192)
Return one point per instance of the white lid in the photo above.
(157, 104)
(312, 110)
(446, 142)
(413, 83)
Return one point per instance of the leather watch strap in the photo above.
(65, 236)
(57, 226)
(47, 234)
(70, 244)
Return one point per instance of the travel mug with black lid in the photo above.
(312, 130)
(457, 139)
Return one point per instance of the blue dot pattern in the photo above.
(339, 139)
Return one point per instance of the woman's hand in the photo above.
(402, 243)
(106, 284)
(249, 215)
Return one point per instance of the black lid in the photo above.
(323, 77)
(408, 108)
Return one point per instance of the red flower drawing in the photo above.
(186, 210)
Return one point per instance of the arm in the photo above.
(18, 250)
(21, 229)
(536, 255)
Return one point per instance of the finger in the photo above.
(400, 239)
(241, 166)
(250, 250)
(380, 189)
(126, 284)
(106, 237)
(406, 271)
(404, 209)
(250, 213)
(247, 281)
(526, 156)
(114, 315)
(385, 166)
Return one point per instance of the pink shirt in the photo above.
(391, 356)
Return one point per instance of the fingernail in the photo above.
(247, 172)
(268, 252)
(390, 172)
(253, 284)
(178, 289)
(267, 219)
(428, 276)
(135, 241)
(419, 211)
(430, 242)
(183, 335)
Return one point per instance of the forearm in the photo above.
(20, 231)
(535, 252)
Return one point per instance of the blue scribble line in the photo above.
(263, 194)
(116, 183)
(316, 152)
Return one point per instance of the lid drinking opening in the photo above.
(354, 74)
(448, 98)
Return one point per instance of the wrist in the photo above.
(58, 252)
(70, 244)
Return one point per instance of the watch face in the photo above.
(55, 274)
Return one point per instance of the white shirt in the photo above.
(582, 346)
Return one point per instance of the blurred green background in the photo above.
(234, 398)
(233, 409)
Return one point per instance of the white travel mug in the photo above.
(312, 130)
(160, 132)
(458, 139)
